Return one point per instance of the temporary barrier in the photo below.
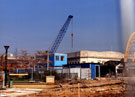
(50, 79)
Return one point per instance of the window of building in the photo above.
(62, 58)
(57, 58)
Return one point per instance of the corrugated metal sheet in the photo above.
(75, 70)
(65, 70)
(86, 73)
(59, 70)
(82, 73)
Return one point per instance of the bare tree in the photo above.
(41, 57)
(1, 62)
(24, 59)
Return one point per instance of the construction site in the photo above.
(75, 72)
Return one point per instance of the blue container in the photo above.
(93, 70)
(58, 59)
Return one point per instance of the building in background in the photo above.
(80, 65)
(91, 64)
(93, 57)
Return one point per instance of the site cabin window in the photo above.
(57, 58)
(62, 58)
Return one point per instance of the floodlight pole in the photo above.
(5, 70)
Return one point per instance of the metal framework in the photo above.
(129, 44)
(60, 36)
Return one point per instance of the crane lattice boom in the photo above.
(60, 36)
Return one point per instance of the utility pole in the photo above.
(47, 52)
(48, 65)
(72, 43)
(6, 71)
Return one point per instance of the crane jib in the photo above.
(60, 35)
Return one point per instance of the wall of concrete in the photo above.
(93, 57)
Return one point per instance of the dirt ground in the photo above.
(15, 92)
(102, 87)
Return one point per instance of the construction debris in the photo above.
(103, 87)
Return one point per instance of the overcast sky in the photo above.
(34, 24)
